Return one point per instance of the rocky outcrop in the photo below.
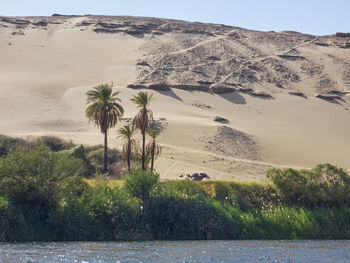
(216, 58)
(166, 87)
(340, 34)
(136, 86)
(261, 95)
(296, 93)
(290, 57)
(40, 23)
(156, 87)
(321, 44)
(338, 93)
(191, 87)
(220, 89)
(159, 87)
(328, 97)
(221, 119)
(216, 89)
(142, 63)
(245, 90)
(19, 23)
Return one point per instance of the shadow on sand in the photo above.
(233, 97)
(170, 93)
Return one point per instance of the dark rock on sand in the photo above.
(221, 119)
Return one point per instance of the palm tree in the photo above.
(142, 118)
(104, 110)
(138, 159)
(153, 148)
(130, 146)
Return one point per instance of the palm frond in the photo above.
(134, 150)
(103, 107)
(142, 99)
(153, 133)
(127, 131)
(138, 159)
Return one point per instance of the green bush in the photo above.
(180, 188)
(332, 223)
(96, 157)
(72, 220)
(189, 213)
(245, 195)
(139, 183)
(9, 143)
(116, 214)
(288, 223)
(32, 175)
(325, 185)
(56, 144)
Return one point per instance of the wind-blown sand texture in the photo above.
(284, 95)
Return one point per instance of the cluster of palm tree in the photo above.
(104, 110)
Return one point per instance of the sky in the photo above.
(317, 17)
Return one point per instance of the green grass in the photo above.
(99, 181)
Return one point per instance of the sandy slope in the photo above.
(44, 75)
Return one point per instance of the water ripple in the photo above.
(178, 251)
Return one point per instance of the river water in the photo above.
(178, 251)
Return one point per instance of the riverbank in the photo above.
(48, 195)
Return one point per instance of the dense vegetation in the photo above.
(53, 190)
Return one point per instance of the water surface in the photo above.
(178, 251)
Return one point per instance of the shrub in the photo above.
(288, 223)
(56, 144)
(139, 183)
(245, 195)
(72, 219)
(9, 143)
(96, 157)
(189, 213)
(32, 176)
(180, 188)
(325, 185)
(115, 213)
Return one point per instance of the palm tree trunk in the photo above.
(143, 149)
(129, 154)
(105, 153)
(144, 138)
(153, 148)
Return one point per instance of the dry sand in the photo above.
(44, 75)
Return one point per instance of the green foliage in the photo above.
(290, 223)
(116, 214)
(332, 223)
(142, 119)
(182, 210)
(32, 175)
(104, 109)
(180, 188)
(43, 197)
(139, 183)
(325, 185)
(9, 143)
(96, 158)
(245, 195)
(56, 144)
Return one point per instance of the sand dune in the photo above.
(45, 72)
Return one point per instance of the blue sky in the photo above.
(320, 17)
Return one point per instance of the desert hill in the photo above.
(232, 102)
